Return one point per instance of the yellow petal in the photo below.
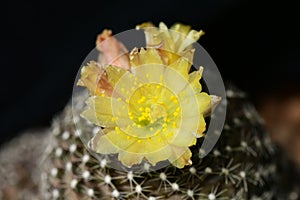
(129, 159)
(90, 115)
(188, 101)
(126, 86)
(215, 100)
(168, 56)
(124, 82)
(144, 141)
(194, 79)
(120, 140)
(149, 73)
(102, 144)
(144, 25)
(188, 55)
(195, 126)
(159, 155)
(181, 28)
(90, 75)
(182, 66)
(201, 126)
(167, 41)
(203, 101)
(183, 159)
(174, 80)
(151, 33)
(142, 56)
(191, 38)
(179, 32)
(99, 111)
(114, 74)
(183, 138)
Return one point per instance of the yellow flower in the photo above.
(154, 111)
(94, 78)
(172, 43)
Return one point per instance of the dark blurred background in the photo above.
(255, 44)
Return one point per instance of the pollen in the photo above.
(147, 110)
(175, 114)
(142, 100)
(173, 98)
(170, 134)
(174, 125)
(141, 118)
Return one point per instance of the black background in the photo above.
(255, 44)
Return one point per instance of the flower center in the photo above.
(152, 108)
(157, 112)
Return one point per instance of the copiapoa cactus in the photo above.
(240, 166)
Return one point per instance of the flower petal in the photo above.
(149, 73)
(181, 28)
(174, 80)
(102, 144)
(191, 38)
(215, 100)
(142, 56)
(183, 159)
(100, 111)
(114, 74)
(184, 138)
(120, 140)
(182, 66)
(203, 101)
(201, 127)
(159, 155)
(90, 75)
(194, 80)
(129, 159)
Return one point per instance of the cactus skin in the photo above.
(241, 165)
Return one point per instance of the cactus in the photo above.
(240, 166)
(244, 164)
